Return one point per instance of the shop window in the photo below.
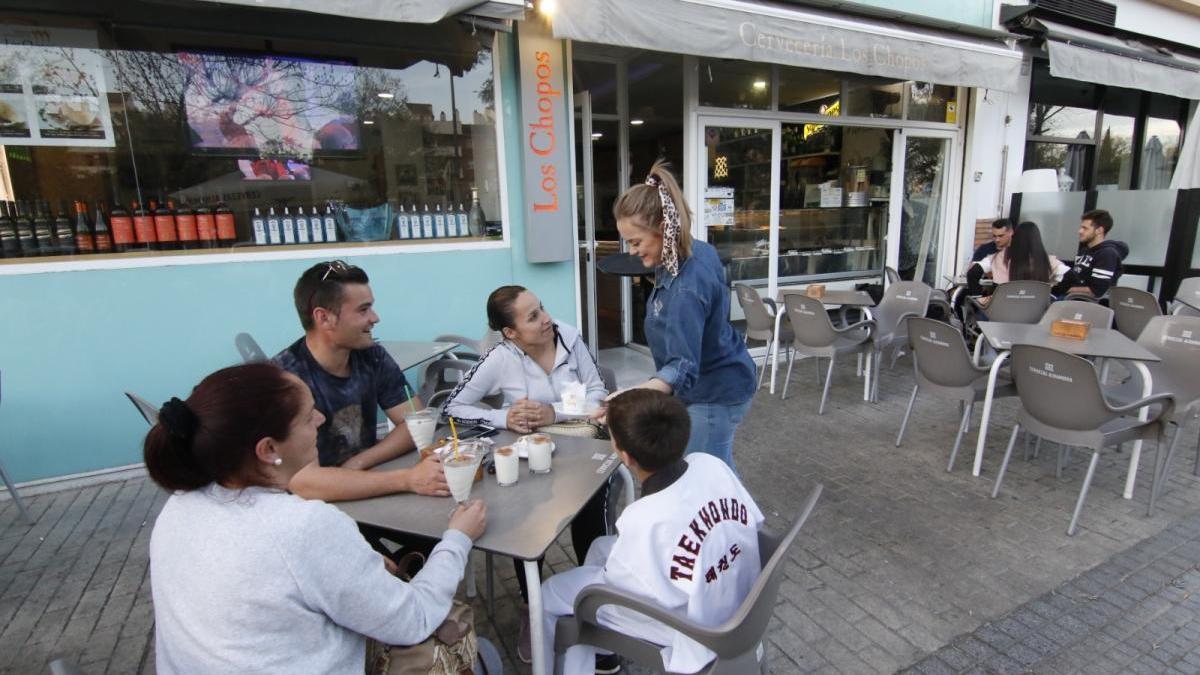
(1070, 160)
(242, 142)
(873, 97)
(1061, 108)
(1161, 137)
(735, 84)
(803, 90)
(929, 102)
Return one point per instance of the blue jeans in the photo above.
(713, 426)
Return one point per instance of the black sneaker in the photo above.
(606, 664)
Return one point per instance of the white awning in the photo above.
(1089, 57)
(405, 11)
(808, 38)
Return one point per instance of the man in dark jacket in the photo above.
(1002, 232)
(1098, 263)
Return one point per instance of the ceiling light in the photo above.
(386, 94)
(637, 123)
(548, 7)
(597, 134)
(368, 121)
(759, 85)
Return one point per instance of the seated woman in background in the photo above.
(247, 577)
(529, 367)
(1025, 258)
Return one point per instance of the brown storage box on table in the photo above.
(1070, 328)
(815, 291)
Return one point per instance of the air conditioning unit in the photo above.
(1092, 11)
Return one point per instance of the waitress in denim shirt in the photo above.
(699, 356)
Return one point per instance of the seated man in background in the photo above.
(351, 377)
(689, 544)
(1098, 263)
(1002, 232)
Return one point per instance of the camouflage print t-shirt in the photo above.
(349, 404)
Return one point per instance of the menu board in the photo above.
(53, 95)
(718, 207)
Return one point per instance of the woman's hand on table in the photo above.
(470, 518)
(524, 415)
(427, 478)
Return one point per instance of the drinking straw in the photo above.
(454, 434)
(411, 405)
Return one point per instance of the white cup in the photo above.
(539, 447)
(460, 474)
(508, 464)
(422, 425)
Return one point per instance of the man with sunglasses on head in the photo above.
(351, 377)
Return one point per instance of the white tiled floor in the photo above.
(631, 365)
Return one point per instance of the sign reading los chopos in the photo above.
(545, 145)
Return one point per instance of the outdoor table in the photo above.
(408, 354)
(1104, 343)
(623, 265)
(832, 298)
(523, 520)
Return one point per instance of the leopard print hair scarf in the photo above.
(670, 226)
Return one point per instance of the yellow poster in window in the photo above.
(951, 112)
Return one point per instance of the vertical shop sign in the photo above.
(545, 145)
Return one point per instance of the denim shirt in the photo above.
(695, 348)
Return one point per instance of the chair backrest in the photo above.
(248, 348)
(745, 629)
(1077, 310)
(608, 376)
(442, 375)
(1176, 340)
(890, 275)
(810, 322)
(1132, 309)
(147, 410)
(760, 325)
(1189, 288)
(1058, 389)
(941, 354)
(902, 299)
(1019, 302)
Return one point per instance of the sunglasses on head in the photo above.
(334, 267)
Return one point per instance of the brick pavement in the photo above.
(900, 559)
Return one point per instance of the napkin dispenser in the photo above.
(815, 291)
(1070, 329)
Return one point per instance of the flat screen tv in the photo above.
(270, 105)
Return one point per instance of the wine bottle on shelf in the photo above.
(143, 226)
(64, 235)
(121, 222)
(287, 227)
(226, 224)
(101, 232)
(478, 224)
(10, 243)
(85, 239)
(164, 225)
(206, 226)
(260, 228)
(273, 235)
(330, 225)
(316, 226)
(25, 232)
(401, 223)
(464, 228)
(427, 224)
(43, 229)
(185, 223)
(302, 231)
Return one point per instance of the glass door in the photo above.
(738, 210)
(918, 217)
(597, 175)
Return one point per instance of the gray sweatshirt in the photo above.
(262, 581)
(506, 369)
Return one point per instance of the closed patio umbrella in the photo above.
(1187, 171)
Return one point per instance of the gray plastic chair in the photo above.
(760, 324)
(443, 374)
(16, 497)
(890, 275)
(816, 336)
(1188, 288)
(1019, 302)
(147, 409)
(472, 348)
(1097, 315)
(608, 376)
(943, 366)
(1132, 309)
(248, 347)
(736, 641)
(901, 300)
(1061, 401)
(1175, 340)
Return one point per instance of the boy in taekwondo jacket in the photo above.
(689, 544)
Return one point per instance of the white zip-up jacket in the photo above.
(506, 369)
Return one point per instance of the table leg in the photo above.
(868, 373)
(987, 408)
(537, 635)
(490, 585)
(775, 348)
(1136, 455)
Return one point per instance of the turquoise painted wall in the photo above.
(72, 342)
(970, 12)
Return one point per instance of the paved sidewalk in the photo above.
(899, 560)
